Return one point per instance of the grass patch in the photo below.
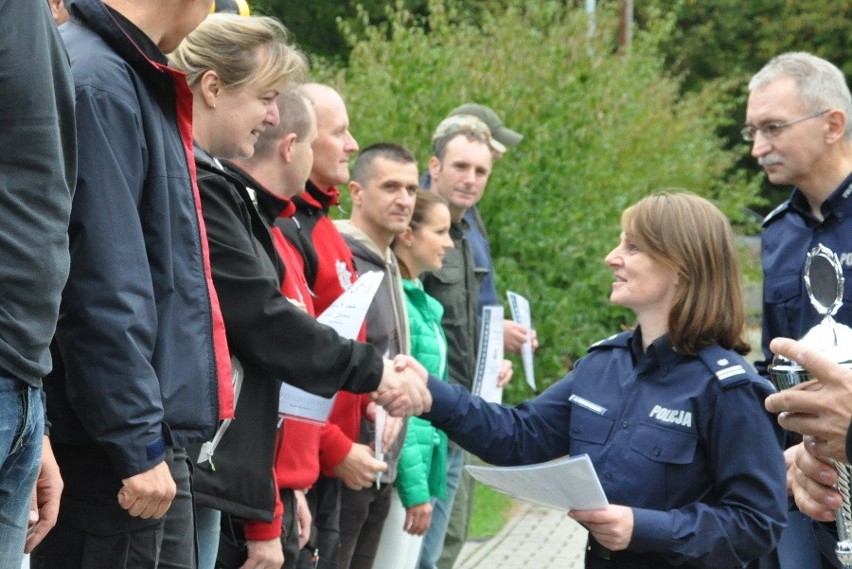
(491, 509)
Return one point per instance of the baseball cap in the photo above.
(500, 132)
(466, 123)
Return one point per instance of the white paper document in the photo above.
(345, 315)
(568, 483)
(520, 309)
(489, 362)
(295, 403)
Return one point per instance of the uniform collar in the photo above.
(838, 204)
(659, 355)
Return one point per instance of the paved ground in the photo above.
(533, 538)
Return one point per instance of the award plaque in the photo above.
(824, 284)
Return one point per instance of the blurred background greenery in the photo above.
(604, 123)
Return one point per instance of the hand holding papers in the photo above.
(520, 308)
(565, 483)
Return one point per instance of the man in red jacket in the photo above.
(329, 270)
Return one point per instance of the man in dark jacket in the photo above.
(142, 365)
(459, 168)
(383, 186)
(37, 171)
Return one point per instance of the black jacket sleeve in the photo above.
(263, 327)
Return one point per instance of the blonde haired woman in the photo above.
(236, 67)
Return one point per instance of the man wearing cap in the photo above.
(476, 117)
(459, 170)
(502, 138)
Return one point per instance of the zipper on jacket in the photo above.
(209, 447)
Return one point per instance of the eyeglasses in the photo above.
(773, 129)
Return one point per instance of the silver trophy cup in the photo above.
(824, 283)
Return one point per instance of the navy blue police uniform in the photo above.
(789, 232)
(683, 440)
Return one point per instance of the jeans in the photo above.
(208, 526)
(433, 541)
(21, 432)
(459, 520)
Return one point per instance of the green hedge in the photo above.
(602, 129)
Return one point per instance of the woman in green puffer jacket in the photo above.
(422, 470)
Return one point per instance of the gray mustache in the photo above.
(769, 160)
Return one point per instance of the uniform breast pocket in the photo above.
(661, 444)
(781, 289)
(588, 429)
(664, 459)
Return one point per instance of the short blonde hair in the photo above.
(689, 234)
(240, 50)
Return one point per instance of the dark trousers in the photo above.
(94, 532)
(362, 516)
(323, 549)
(233, 549)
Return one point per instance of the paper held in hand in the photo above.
(345, 315)
(520, 309)
(567, 483)
(490, 359)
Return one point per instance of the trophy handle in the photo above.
(843, 549)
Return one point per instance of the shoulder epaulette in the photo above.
(728, 366)
(615, 341)
(776, 213)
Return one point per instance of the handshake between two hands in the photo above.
(403, 390)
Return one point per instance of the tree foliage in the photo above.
(315, 23)
(732, 39)
(602, 129)
(726, 38)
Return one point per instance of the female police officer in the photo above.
(670, 414)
